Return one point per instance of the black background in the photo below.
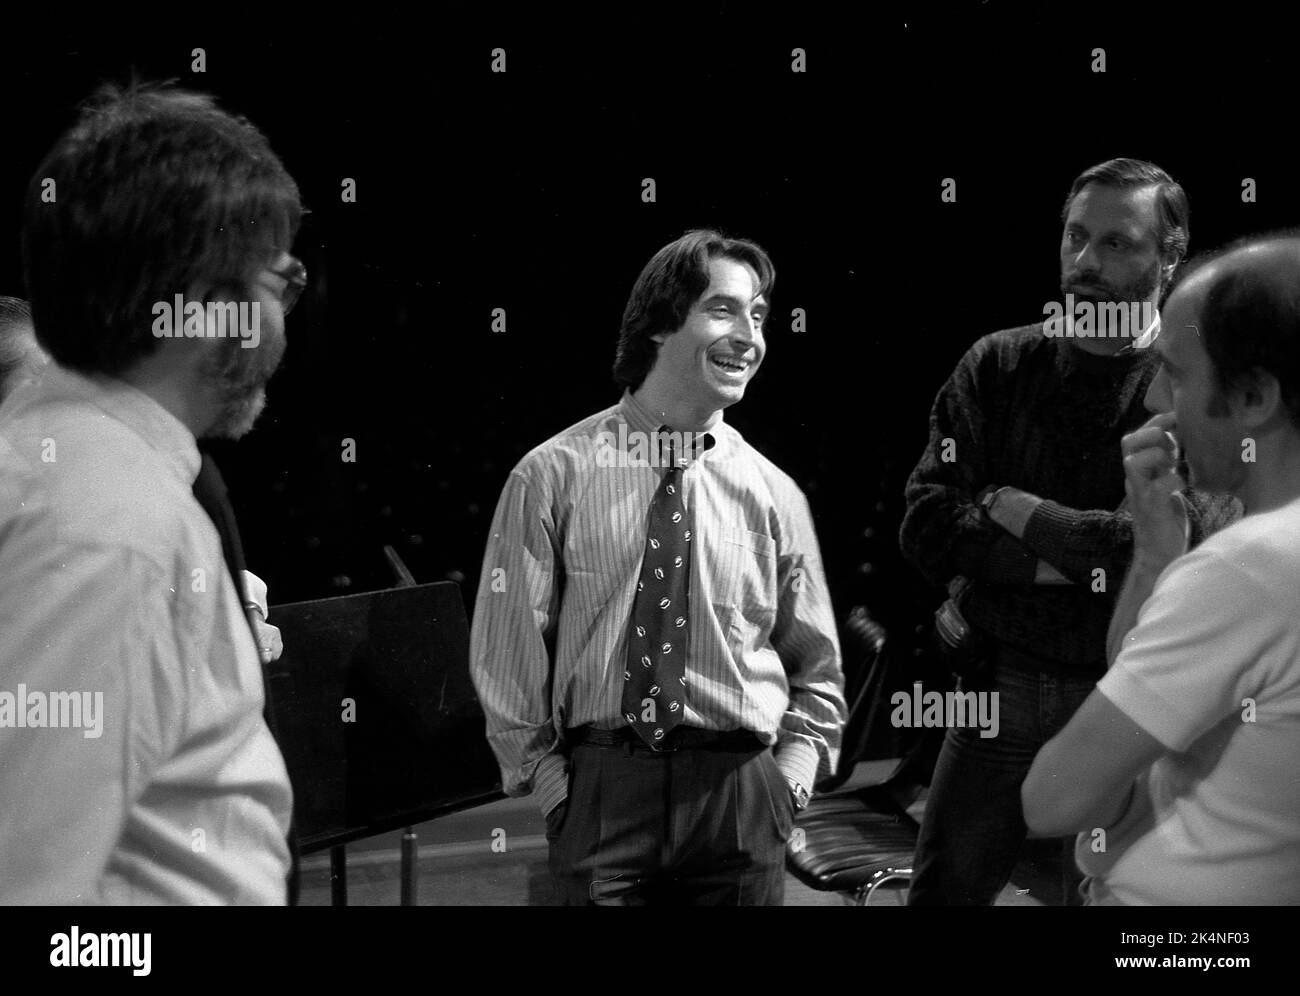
(522, 191)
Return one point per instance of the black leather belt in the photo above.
(678, 738)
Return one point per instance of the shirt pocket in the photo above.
(588, 594)
(746, 597)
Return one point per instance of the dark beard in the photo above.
(1140, 289)
(239, 377)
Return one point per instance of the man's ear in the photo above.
(204, 293)
(221, 292)
(1261, 399)
(1168, 267)
(209, 290)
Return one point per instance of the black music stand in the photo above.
(414, 748)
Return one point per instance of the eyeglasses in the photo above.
(295, 277)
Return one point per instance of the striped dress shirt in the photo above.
(550, 634)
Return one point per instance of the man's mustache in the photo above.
(1077, 284)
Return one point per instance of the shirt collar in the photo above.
(1149, 335)
(1076, 361)
(641, 419)
(140, 413)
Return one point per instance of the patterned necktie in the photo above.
(654, 687)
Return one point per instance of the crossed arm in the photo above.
(1018, 538)
(1084, 777)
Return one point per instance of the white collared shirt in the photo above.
(1149, 334)
(165, 786)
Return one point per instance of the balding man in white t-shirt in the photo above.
(1180, 770)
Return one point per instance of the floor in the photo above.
(495, 855)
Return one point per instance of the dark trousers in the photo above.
(974, 825)
(691, 827)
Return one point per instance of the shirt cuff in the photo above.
(1047, 529)
(797, 760)
(255, 593)
(551, 782)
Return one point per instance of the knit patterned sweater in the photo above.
(1044, 416)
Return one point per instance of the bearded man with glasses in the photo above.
(164, 784)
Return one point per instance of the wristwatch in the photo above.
(987, 501)
(800, 795)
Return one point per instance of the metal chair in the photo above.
(856, 839)
(855, 842)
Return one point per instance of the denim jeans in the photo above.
(974, 826)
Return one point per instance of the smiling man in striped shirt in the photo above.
(653, 640)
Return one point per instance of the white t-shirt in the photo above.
(1212, 671)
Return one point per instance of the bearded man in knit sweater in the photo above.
(1018, 504)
